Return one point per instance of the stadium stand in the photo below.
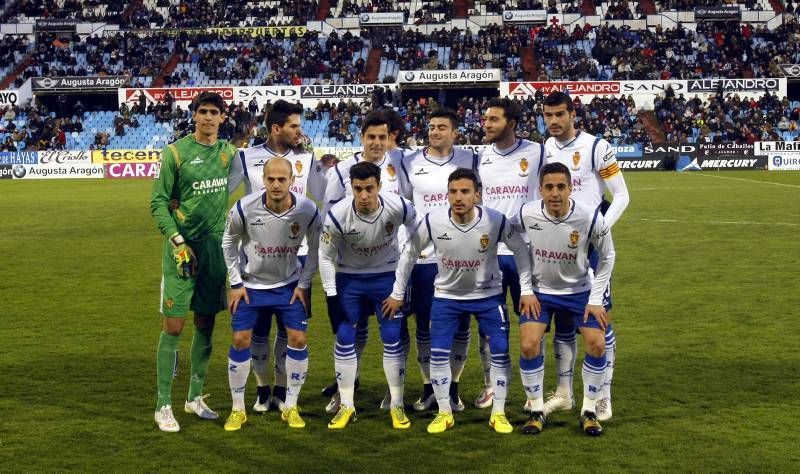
(140, 57)
(210, 59)
(203, 58)
(491, 47)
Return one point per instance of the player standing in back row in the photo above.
(509, 172)
(285, 140)
(423, 180)
(594, 169)
(194, 171)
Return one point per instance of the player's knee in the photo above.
(241, 340)
(595, 346)
(346, 334)
(173, 326)
(296, 338)
(530, 347)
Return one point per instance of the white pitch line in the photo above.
(748, 180)
(673, 221)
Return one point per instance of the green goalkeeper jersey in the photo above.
(195, 175)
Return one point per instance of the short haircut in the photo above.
(396, 124)
(444, 112)
(557, 98)
(211, 98)
(511, 109)
(554, 168)
(464, 173)
(279, 113)
(365, 170)
(282, 160)
(373, 119)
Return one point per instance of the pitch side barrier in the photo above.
(137, 163)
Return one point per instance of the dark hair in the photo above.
(444, 112)
(211, 98)
(279, 113)
(396, 124)
(511, 110)
(365, 170)
(554, 168)
(373, 119)
(464, 173)
(557, 98)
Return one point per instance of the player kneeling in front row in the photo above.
(358, 255)
(465, 238)
(266, 275)
(561, 232)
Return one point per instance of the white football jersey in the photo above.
(560, 249)
(309, 174)
(590, 159)
(466, 255)
(261, 247)
(510, 178)
(338, 186)
(354, 243)
(423, 180)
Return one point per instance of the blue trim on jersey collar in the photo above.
(270, 150)
(287, 211)
(358, 216)
(565, 218)
(448, 160)
(458, 226)
(519, 144)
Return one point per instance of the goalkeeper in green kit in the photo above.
(194, 172)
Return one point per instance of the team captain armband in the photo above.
(610, 171)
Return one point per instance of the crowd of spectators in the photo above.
(356, 7)
(688, 5)
(126, 54)
(235, 59)
(491, 47)
(715, 49)
(41, 130)
(86, 10)
(237, 13)
(726, 119)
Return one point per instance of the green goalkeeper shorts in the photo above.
(203, 294)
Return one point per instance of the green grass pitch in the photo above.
(706, 292)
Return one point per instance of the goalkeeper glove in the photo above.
(185, 260)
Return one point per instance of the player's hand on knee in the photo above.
(235, 295)
(302, 294)
(185, 260)
(599, 313)
(529, 306)
(391, 307)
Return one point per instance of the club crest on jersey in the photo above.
(573, 239)
(294, 230)
(325, 238)
(484, 243)
(389, 228)
(576, 161)
(391, 171)
(224, 158)
(523, 167)
(298, 166)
